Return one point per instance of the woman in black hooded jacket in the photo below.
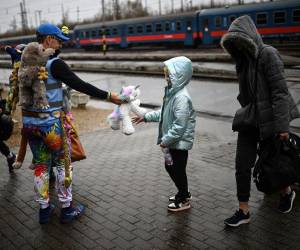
(259, 69)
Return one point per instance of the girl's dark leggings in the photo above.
(177, 171)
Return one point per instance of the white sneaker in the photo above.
(173, 198)
(179, 206)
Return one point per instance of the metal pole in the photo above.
(25, 15)
(35, 18)
(103, 12)
(40, 15)
(62, 13)
(77, 14)
(22, 16)
(159, 4)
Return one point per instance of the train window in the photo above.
(296, 16)
(225, 21)
(167, 26)
(178, 26)
(130, 30)
(81, 35)
(189, 25)
(87, 34)
(94, 33)
(231, 19)
(100, 33)
(158, 27)
(279, 17)
(140, 29)
(205, 24)
(261, 18)
(107, 32)
(115, 31)
(149, 28)
(218, 21)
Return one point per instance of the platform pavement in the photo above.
(125, 189)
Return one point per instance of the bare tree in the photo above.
(133, 9)
(13, 24)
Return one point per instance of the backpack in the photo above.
(278, 165)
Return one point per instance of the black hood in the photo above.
(242, 36)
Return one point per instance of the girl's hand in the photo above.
(137, 120)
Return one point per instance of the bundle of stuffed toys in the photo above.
(121, 114)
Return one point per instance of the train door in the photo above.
(206, 37)
(123, 35)
(189, 39)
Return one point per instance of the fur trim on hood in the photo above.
(242, 36)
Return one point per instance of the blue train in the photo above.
(277, 21)
(13, 41)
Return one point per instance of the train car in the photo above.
(164, 30)
(92, 36)
(176, 30)
(13, 41)
(276, 21)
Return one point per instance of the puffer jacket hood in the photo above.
(242, 36)
(180, 73)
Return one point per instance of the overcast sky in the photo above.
(51, 10)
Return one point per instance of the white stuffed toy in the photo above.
(122, 112)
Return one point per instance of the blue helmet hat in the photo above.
(49, 29)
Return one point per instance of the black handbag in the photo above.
(278, 165)
(245, 117)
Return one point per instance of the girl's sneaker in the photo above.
(177, 206)
(173, 198)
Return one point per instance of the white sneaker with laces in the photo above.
(179, 206)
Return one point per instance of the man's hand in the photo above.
(137, 120)
(284, 136)
(116, 98)
(163, 146)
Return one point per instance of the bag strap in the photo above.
(254, 92)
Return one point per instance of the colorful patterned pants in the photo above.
(46, 145)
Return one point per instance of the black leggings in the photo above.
(177, 171)
(4, 149)
(245, 159)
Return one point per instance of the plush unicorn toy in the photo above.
(122, 112)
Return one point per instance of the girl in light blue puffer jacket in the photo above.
(176, 126)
